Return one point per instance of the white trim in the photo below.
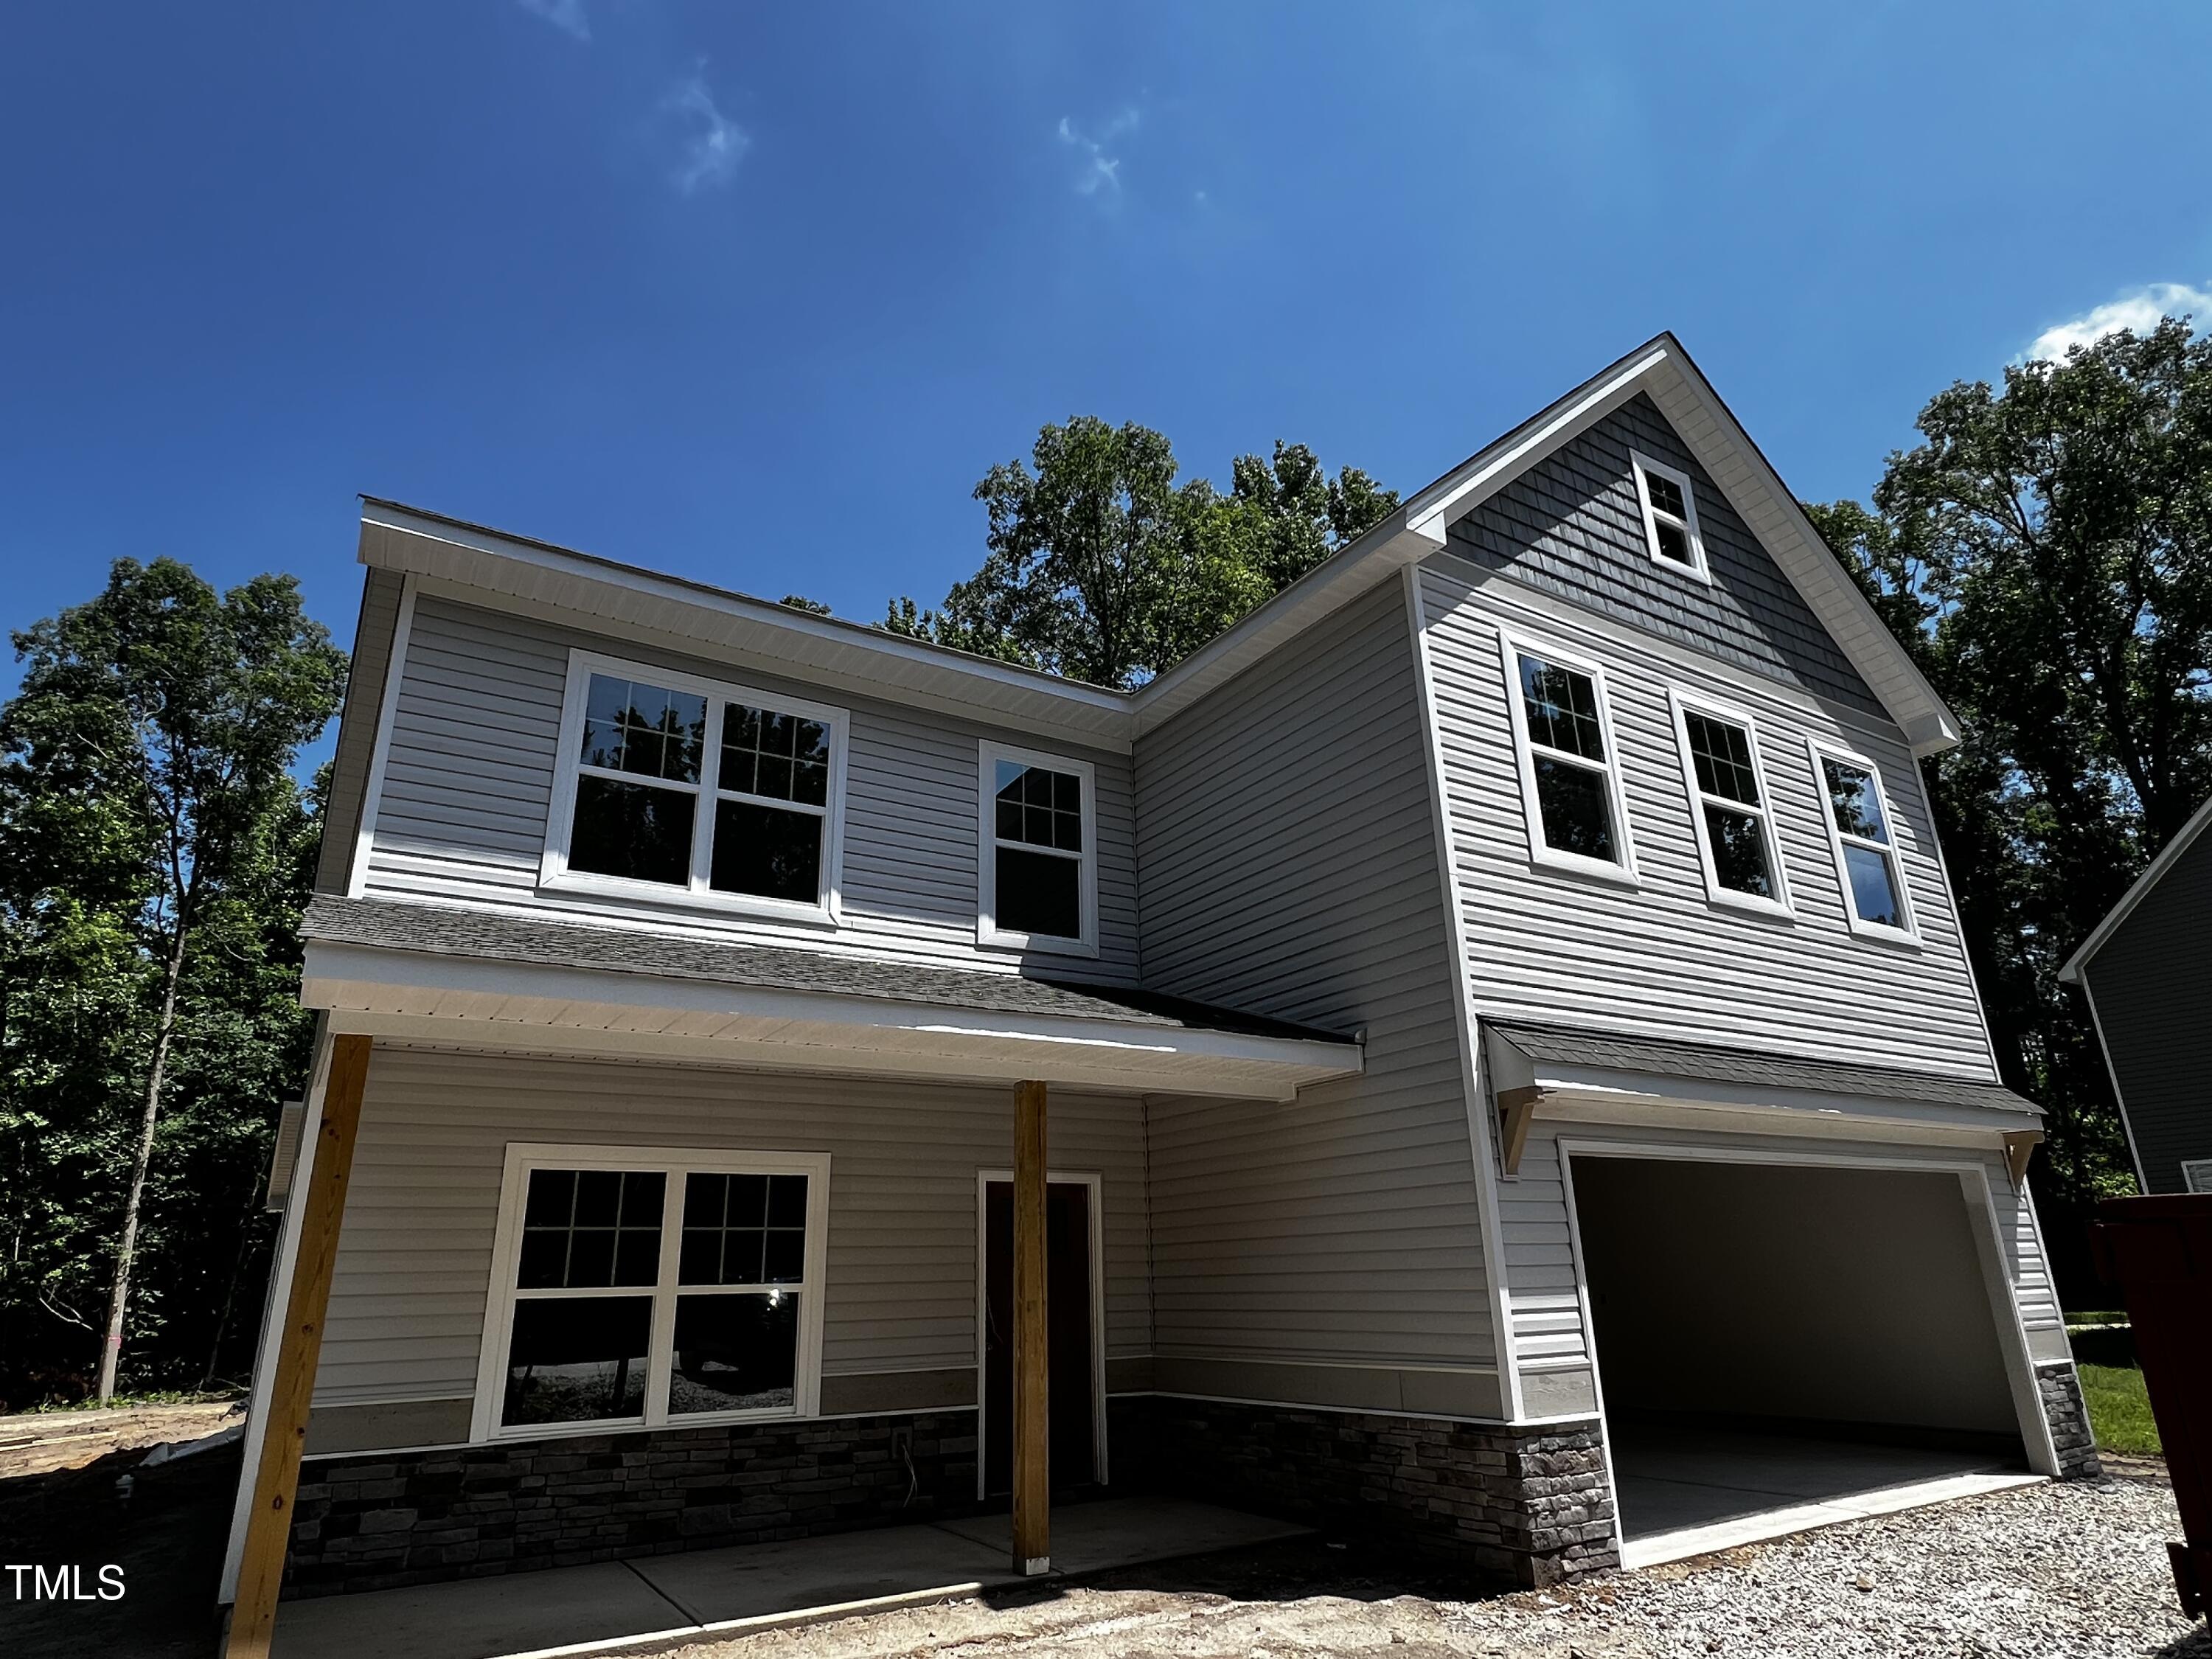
(2196, 1175)
(387, 713)
(988, 935)
(276, 1305)
(1974, 1175)
(1095, 1182)
(1465, 1021)
(1513, 645)
(1643, 465)
(1684, 704)
(2138, 890)
(554, 874)
(1823, 750)
(675, 1162)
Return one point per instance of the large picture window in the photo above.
(675, 787)
(1859, 832)
(1728, 806)
(1570, 775)
(639, 1288)
(1037, 834)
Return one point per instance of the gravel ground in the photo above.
(2073, 1569)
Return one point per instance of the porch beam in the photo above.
(1032, 1520)
(300, 1346)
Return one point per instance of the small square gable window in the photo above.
(1669, 506)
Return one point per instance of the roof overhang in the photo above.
(474, 561)
(1608, 1077)
(2168, 856)
(439, 997)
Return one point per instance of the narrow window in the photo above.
(1670, 515)
(1568, 766)
(643, 1294)
(772, 804)
(1734, 828)
(578, 1353)
(637, 781)
(1865, 852)
(1038, 828)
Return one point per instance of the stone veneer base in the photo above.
(2067, 1413)
(1529, 1504)
(374, 1520)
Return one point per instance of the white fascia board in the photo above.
(1595, 1083)
(451, 998)
(2168, 856)
(469, 556)
(1734, 462)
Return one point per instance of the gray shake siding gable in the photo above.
(1327, 1250)
(469, 780)
(1571, 525)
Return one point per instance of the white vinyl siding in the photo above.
(413, 1267)
(1662, 960)
(1290, 869)
(469, 785)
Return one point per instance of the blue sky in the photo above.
(755, 293)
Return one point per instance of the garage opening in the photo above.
(1774, 1338)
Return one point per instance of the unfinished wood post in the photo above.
(298, 1348)
(1032, 1352)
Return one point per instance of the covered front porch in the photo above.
(655, 1601)
(923, 1164)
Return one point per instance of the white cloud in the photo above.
(715, 144)
(1101, 171)
(2139, 310)
(566, 15)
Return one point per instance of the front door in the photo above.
(1068, 1319)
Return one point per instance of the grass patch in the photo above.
(2119, 1409)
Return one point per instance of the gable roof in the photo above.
(433, 547)
(2169, 855)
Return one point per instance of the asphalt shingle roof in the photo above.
(1567, 1045)
(446, 930)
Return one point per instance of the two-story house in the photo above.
(1499, 1000)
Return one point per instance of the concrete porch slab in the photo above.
(1757, 1526)
(657, 1600)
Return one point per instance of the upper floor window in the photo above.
(679, 787)
(1038, 836)
(1859, 831)
(645, 1287)
(1733, 818)
(1670, 515)
(1570, 775)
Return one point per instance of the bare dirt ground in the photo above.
(39, 1443)
(2059, 1570)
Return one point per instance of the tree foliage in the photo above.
(2045, 553)
(155, 855)
(1105, 567)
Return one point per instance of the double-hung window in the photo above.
(1669, 506)
(1037, 833)
(1859, 832)
(638, 1288)
(676, 788)
(1569, 772)
(1733, 818)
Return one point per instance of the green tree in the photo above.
(2045, 553)
(1103, 568)
(155, 843)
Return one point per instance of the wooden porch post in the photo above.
(1032, 1401)
(299, 1346)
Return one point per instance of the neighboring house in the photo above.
(2146, 975)
(1504, 992)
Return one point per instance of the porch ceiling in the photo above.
(439, 974)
